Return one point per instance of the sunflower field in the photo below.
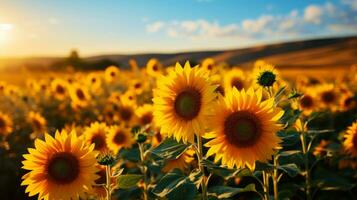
(211, 131)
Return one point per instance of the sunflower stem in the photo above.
(201, 167)
(266, 185)
(275, 177)
(108, 184)
(143, 170)
(306, 162)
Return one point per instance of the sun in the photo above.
(4, 32)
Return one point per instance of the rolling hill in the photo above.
(317, 53)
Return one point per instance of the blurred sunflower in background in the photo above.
(153, 67)
(59, 88)
(62, 167)
(182, 162)
(235, 78)
(347, 101)
(145, 114)
(94, 81)
(6, 124)
(350, 142)
(37, 122)
(126, 112)
(96, 134)
(119, 137)
(208, 64)
(243, 129)
(111, 74)
(328, 97)
(307, 103)
(182, 102)
(79, 95)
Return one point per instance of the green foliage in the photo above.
(170, 149)
(128, 180)
(224, 192)
(176, 185)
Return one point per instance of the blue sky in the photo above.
(39, 27)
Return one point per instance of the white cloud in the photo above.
(313, 14)
(314, 19)
(154, 27)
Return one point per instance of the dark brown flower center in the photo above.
(242, 128)
(328, 97)
(188, 104)
(99, 141)
(37, 124)
(237, 83)
(209, 67)
(348, 101)
(119, 137)
(94, 80)
(146, 118)
(2, 123)
(63, 168)
(112, 74)
(155, 68)
(137, 85)
(306, 101)
(126, 113)
(60, 89)
(80, 94)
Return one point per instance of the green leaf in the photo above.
(291, 169)
(176, 185)
(170, 149)
(289, 153)
(217, 170)
(223, 192)
(186, 191)
(128, 180)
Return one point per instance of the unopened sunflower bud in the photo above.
(106, 159)
(140, 137)
(266, 79)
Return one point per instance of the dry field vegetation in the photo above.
(159, 131)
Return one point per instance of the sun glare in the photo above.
(4, 32)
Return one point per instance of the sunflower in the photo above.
(347, 101)
(93, 81)
(243, 128)
(265, 75)
(235, 78)
(126, 112)
(208, 64)
(111, 73)
(182, 102)
(182, 162)
(60, 168)
(37, 121)
(306, 103)
(5, 124)
(327, 96)
(96, 134)
(350, 143)
(145, 114)
(153, 67)
(138, 86)
(79, 95)
(119, 137)
(59, 88)
(129, 96)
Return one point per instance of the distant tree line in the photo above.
(74, 61)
